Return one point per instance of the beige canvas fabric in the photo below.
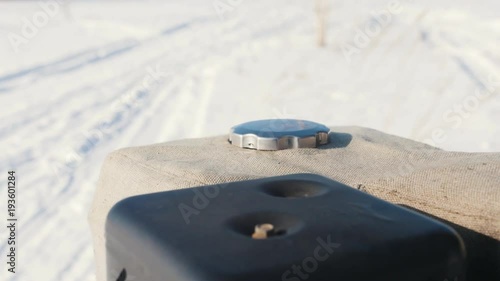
(461, 188)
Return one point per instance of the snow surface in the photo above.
(99, 76)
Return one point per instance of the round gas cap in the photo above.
(277, 134)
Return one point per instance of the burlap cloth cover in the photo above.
(461, 188)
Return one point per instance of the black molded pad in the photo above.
(323, 230)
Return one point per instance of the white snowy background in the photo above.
(82, 78)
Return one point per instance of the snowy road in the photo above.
(99, 76)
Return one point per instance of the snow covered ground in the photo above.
(80, 79)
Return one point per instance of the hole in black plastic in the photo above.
(279, 232)
(295, 188)
(284, 224)
(122, 276)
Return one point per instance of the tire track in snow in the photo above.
(67, 64)
(59, 105)
(85, 58)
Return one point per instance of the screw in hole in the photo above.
(263, 231)
(265, 225)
